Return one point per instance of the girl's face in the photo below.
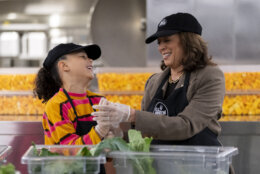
(79, 65)
(171, 50)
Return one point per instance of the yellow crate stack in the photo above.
(241, 103)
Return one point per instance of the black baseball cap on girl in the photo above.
(93, 51)
(175, 23)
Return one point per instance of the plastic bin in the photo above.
(4, 152)
(176, 160)
(68, 163)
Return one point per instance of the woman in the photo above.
(62, 85)
(181, 104)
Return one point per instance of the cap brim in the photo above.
(93, 51)
(160, 34)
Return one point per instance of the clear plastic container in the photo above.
(175, 160)
(68, 163)
(4, 152)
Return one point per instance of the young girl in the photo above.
(62, 85)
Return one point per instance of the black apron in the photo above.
(174, 104)
(83, 127)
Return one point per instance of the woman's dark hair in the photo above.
(47, 82)
(195, 50)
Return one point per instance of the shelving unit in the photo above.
(235, 107)
(229, 93)
(21, 104)
(240, 92)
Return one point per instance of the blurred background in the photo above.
(29, 28)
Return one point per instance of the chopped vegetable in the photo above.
(35, 151)
(84, 152)
(111, 144)
(136, 143)
(43, 152)
(63, 167)
(7, 169)
(140, 144)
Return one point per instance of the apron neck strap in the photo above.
(71, 103)
(161, 85)
(91, 103)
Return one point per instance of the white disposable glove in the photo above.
(113, 113)
(102, 128)
(103, 101)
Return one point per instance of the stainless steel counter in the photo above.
(244, 135)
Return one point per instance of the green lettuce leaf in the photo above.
(43, 152)
(110, 144)
(84, 152)
(137, 143)
(7, 169)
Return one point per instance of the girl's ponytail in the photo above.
(47, 83)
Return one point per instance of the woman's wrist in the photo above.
(132, 115)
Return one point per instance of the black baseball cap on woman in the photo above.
(175, 23)
(93, 51)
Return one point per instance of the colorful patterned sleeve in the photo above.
(59, 129)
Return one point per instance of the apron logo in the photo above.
(160, 109)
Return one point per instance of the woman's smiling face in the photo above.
(171, 50)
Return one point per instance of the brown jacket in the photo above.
(205, 96)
